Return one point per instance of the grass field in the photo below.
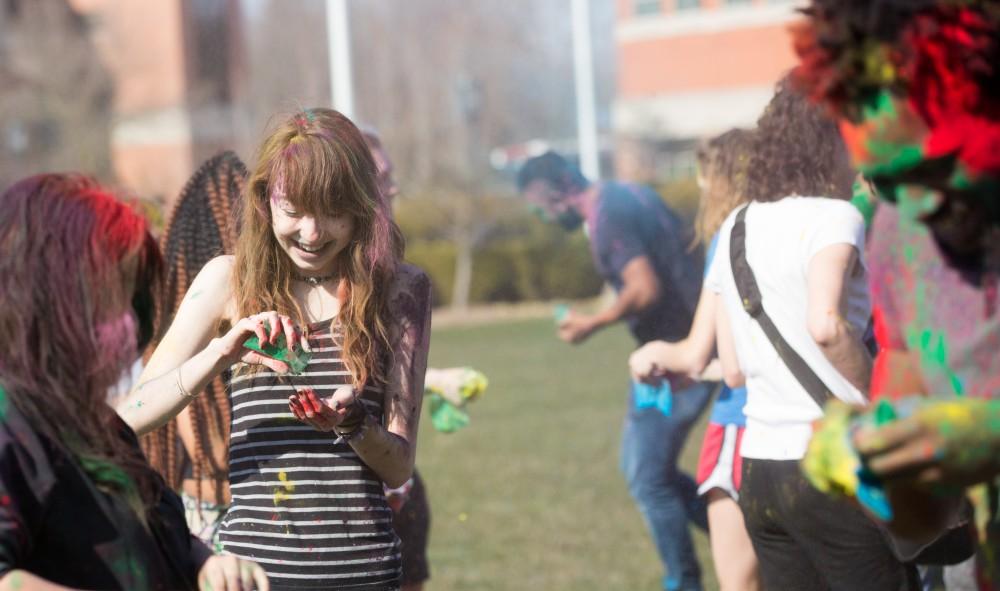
(529, 497)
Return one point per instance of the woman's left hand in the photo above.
(322, 413)
(229, 573)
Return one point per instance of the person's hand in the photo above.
(267, 326)
(323, 414)
(645, 363)
(575, 328)
(944, 444)
(229, 573)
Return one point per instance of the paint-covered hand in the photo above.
(267, 327)
(322, 413)
(943, 443)
(229, 573)
(575, 328)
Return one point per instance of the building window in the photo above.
(644, 7)
(687, 4)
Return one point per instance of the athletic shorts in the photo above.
(720, 465)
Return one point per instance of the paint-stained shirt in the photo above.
(631, 221)
(56, 524)
(309, 511)
(948, 317)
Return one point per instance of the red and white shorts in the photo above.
(720, 463)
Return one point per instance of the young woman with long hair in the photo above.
(722, 171)
(316, 268)
(79, 505)
(191, 450)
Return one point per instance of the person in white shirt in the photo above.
(804, 243)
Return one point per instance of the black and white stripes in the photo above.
(310, 512)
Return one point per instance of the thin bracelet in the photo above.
(355, 433)
(180, 384)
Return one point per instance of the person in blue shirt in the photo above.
(721, 176)
(640, 247)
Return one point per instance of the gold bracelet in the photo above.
(180, 384)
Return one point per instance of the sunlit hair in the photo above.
(797, 150)
(78, 270)
(320, 163)
(722, 163)
(201, 227)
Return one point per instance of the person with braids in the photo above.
(722, 163)
(190, 451)
(803, 242)
(80, 508)
(916, 87)
(316, 277)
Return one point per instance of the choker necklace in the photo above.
(314, 281)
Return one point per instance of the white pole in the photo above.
(338, 38)
(583, 69)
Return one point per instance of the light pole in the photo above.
(338, 38)
(583, 73)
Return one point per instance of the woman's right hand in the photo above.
(267, 326)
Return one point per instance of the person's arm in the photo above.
(189, 357)
(726, 346)
(22, 580)
(390, 448)
(827, 275)
(689, 356)
(640, 290)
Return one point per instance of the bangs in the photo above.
(317, 178)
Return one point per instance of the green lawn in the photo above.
(528, 496)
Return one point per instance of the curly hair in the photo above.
(850, 50)
(202, 226)
(722, 163)
(797, 150)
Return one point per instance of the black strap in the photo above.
(746, 285)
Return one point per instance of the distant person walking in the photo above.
(640, 247)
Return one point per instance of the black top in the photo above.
(56, 524)
(632, 221)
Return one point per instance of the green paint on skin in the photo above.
(16, 581)
(888, 153)
(195, 294)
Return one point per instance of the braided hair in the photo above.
(202, 226)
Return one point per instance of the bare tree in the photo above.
(55, 94)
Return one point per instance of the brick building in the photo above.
(688, 69)
(174, 65)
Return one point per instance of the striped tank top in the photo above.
(311, 513)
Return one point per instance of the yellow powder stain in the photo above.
(287, 487)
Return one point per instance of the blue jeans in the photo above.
(668, 499)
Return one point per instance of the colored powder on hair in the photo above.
(109, 477)
(3, 404)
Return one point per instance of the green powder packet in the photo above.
(297, 358)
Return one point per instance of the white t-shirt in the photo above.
(781, 239)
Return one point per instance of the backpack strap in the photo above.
(746, 285)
